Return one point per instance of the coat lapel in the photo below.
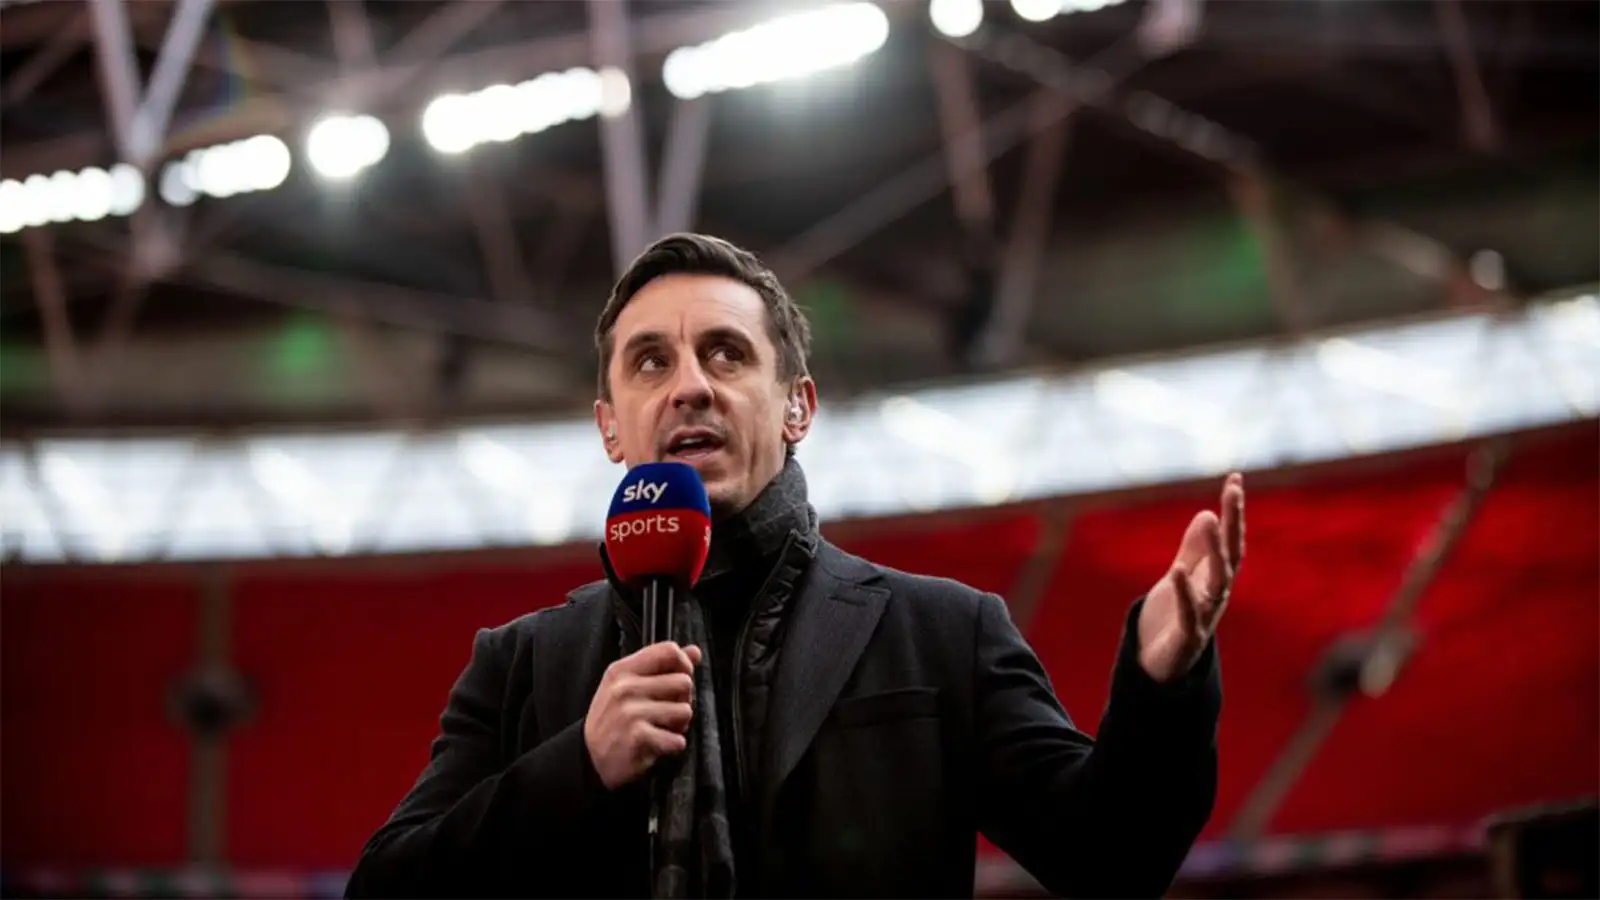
(834, 617)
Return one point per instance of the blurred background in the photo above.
(296, 365)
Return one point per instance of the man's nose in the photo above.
(691, 388)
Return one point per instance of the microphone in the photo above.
(658, 533)
(659, 526)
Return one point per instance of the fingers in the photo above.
(1196, 544)
(1218, 570)
(650, 742)
(660, 659)
(674, 717)
(1233, 519)
(675, 687)
(1188, 604)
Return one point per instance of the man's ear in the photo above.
(605, 419)
(801, 409)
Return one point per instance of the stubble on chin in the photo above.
(726, 499)
(723, 506)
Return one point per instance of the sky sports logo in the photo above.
(644, 490)
(660, 523)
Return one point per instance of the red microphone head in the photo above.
(659, 525)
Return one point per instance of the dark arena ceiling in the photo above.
(1280, 167)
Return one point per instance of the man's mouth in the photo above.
(692, 444)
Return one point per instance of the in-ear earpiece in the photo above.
(611, 432)
(794, 412)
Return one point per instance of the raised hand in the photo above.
(1181, 612)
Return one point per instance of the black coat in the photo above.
(908, 715)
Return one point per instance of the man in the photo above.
(869, 722)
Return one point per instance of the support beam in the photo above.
(105, 357)
(1380, 36)
(61, 346)
(1033, 581)
(49, 502)
(1252, 196)
(166, 81)
(414, 53)
(1168, 26)
(557, 249)
(138, 116)
(120, 84)
(1092, 82)
(1030, 231)
(270, 65)
(442, 30)
(896, 196)
(1477, 114)
(208, 769)
(1232, 153)
(386, 383)
(516, 324)
(1511, 55)
(683, 166)
(497, 240)
(959, 114)
(352, 35)
(621, 138)
(654, 35)
(520, 325)
(38, 67)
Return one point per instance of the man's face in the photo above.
(694, 379)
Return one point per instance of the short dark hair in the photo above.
(700, 254)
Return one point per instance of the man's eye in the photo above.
(651, 363)
(726, 354)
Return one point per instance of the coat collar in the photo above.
(756, 535)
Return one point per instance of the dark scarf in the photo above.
(694, 855)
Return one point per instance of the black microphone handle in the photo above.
(659, 598)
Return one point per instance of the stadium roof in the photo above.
(1274, 169)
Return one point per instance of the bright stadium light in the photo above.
(176, 186)
(956, 18)
(91, 200)
(127, 189)
(85, 196)
(260, 163)
(455, 123)
(1045, 10)
(497, 114)
(1036, 10)
(37, 191)
(59, 205)
(616, 93)
(792, 46)
(447, 123)
(13, 216)
(558, 97)
(343, 146)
